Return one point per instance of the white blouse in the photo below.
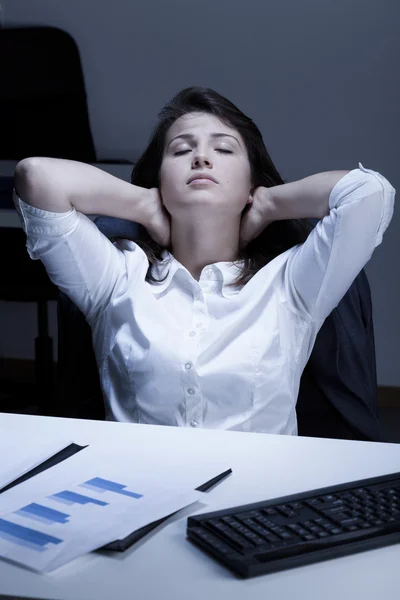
(197, 353)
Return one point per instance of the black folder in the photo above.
(129, 540)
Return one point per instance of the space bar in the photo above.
(339, 539)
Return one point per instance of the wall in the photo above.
(319, 78)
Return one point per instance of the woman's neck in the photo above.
(196, 245)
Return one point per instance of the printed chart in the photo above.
(46, 531)
(40, 541)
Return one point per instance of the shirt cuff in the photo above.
(342, 193)
(37, 220)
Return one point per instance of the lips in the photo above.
(201, 176)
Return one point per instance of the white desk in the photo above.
(166, 565)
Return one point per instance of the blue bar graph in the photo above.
(24, 536)
(101, 485)
(43, 514)
(67, 497)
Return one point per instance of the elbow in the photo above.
(25, 176)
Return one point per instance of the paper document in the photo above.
(89, 500)
(21, 453)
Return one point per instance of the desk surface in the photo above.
(165, 565)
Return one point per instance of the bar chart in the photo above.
(43, 514)
(24, 536)
(83, 507)
(98, 484)
(64, 523)
(67, 497)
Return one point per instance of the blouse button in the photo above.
(190, 391)
(188, 366)
(192, 333)
(193, 423)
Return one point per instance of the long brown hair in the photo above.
(277, 237)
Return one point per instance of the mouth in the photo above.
(201, 179)
(202, 182)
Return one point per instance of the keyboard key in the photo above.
(315, 529)
(349, 521)
(340, 518)
(333, 511)
(252, 514)
(265, 522)
(312, 502)
(228, 520)
(345, 494)
(296, 505)
(294, 527)
(377, 522)
(269, 511)
(259, 529)
(271, 538)
(328, 498)
(286, 512)
(277, 529)
(329, 526)
(256, 539)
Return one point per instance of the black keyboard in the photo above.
(304, 528)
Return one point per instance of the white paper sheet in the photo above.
(21, 453)
(114, 498)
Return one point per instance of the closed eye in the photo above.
(217, 149)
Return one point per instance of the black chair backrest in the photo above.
(43, 103)
(338, 395)
(338, 388)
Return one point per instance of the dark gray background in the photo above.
(320, 79)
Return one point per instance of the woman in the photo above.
(211, 320)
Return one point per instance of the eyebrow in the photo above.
(190, 136)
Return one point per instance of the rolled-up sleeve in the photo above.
(319, 272)
(78, 258)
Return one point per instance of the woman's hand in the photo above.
(257, 217)
(158, 221)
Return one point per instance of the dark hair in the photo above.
(277, 237)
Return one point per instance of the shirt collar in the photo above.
(223, 273)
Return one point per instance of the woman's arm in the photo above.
(57, 185)
(51, 196)
(354, 207)
(304, 199)
(319, 272)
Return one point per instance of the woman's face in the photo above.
(192, 146)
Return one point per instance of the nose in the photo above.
(201, 160)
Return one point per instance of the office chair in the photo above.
(23, 281)
(44, 112)
(43, 98)
(338, 389)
